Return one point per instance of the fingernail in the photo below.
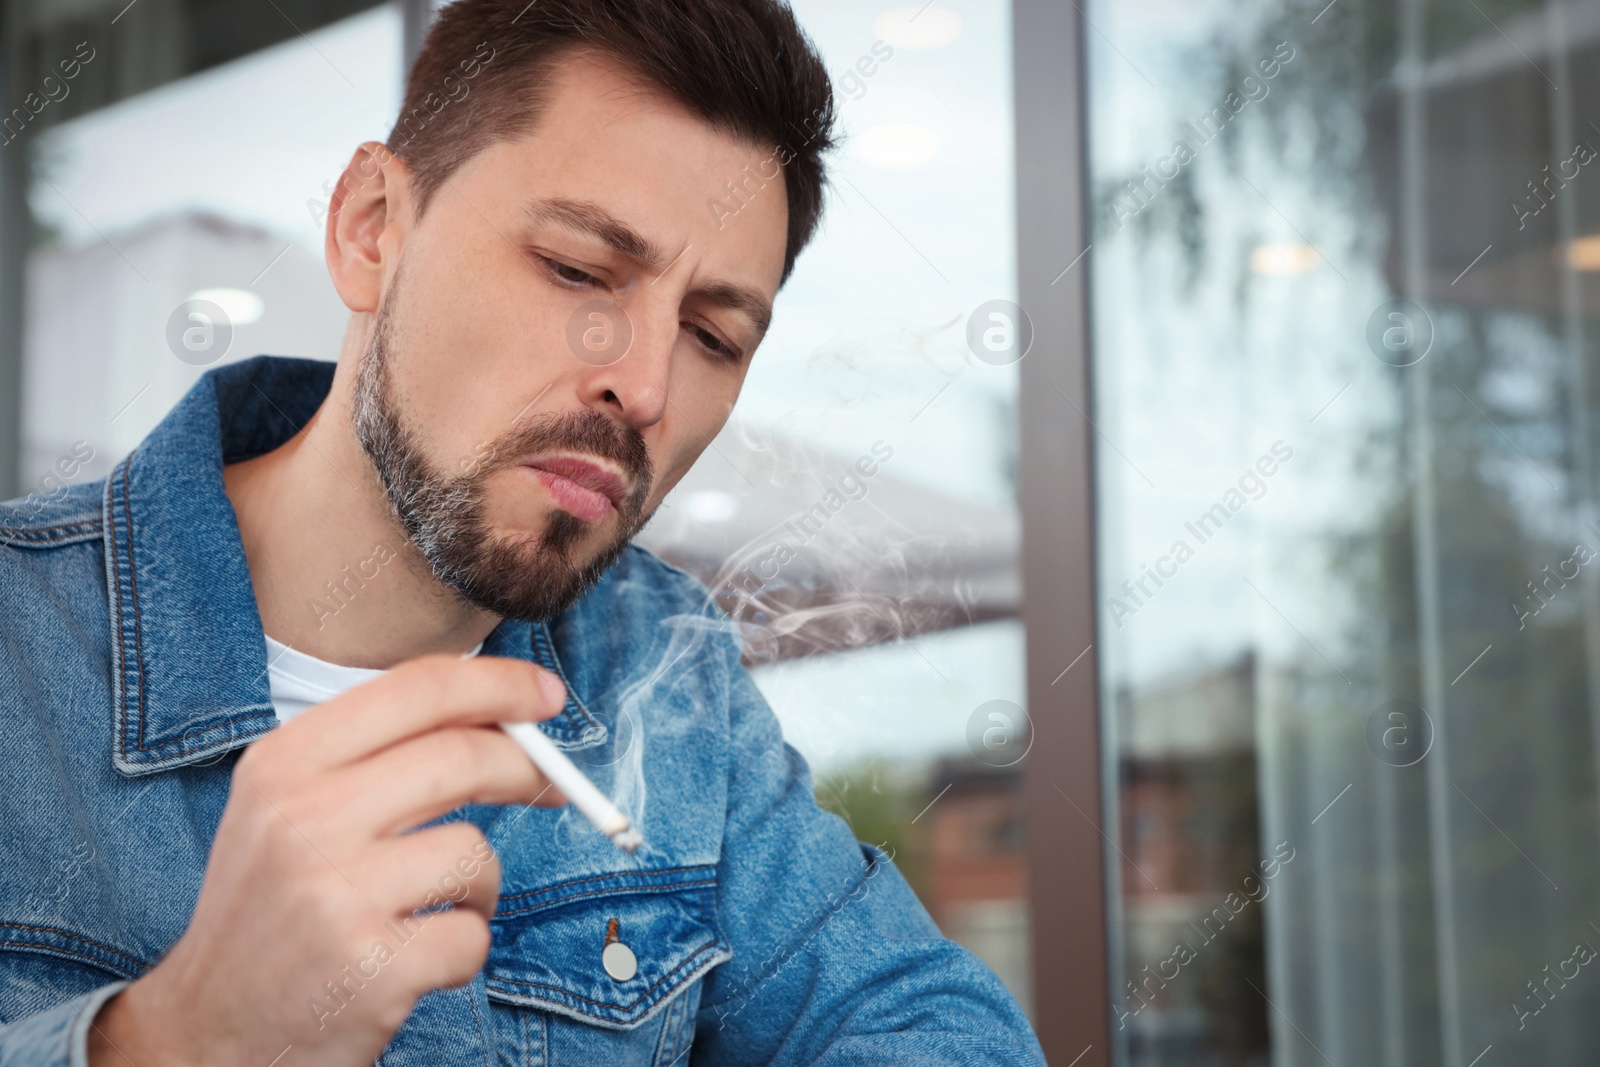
(554, 692)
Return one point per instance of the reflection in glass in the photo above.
(858, 514)
(1350, 609)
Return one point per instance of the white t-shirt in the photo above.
(298, 681)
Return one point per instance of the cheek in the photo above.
(704, 391)
(675, 451)
(471, 333)
(702, 396)
(513, 499)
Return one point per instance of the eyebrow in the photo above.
(592, 220)
(595, 221)
(742, 299)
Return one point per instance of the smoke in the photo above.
(843, 570)
(862, 560)
(661, 704)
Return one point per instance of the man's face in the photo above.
(519, 444)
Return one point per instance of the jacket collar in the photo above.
(189, 670)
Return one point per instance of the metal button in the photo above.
(619, 961)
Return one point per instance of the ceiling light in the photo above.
(918, 27)
(897, 144)
(240, 305)
(1584, 253)
(1284, 259)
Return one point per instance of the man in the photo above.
(255, 806)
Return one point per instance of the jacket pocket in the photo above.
(41, 966)
(612, 950)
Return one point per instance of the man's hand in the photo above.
(312, 869)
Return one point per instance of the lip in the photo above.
(581, 472)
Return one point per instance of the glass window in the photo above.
(1342, 263)
(880, 609)
(204, 197)
(873, 440)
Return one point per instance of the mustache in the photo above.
(583, 432)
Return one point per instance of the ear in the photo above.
(368, 215)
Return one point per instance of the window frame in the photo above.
(1064, 783)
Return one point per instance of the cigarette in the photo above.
(565, 776)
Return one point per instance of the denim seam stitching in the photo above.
(133, 583)
(71, 936)
(76, 937)
(133, 586)
(669, 976)
(488, 1037)
(614, 874)
(55, 949)
(544, 643)
(122, 640)
(29, 535)
(601, 893)
(667, 1035)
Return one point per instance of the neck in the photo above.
(335, 575)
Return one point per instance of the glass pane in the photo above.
(886, 623)
(1343, 261)
(868, 440)
(214, 186)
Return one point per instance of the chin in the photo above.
(566, 536)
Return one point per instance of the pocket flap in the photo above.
(549, 945)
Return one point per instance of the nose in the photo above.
(624, 354)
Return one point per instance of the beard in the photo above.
(530, 578)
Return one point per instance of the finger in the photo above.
(425, 777)
(453, 862)
(447, 950)
(414, 698)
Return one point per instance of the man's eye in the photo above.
(569, 274)
(711, 341)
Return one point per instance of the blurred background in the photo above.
(1281, 305)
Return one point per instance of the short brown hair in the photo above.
(744, 66)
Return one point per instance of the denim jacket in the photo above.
(133, 673)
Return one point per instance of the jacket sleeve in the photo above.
(55, 1037)
(834, 959)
